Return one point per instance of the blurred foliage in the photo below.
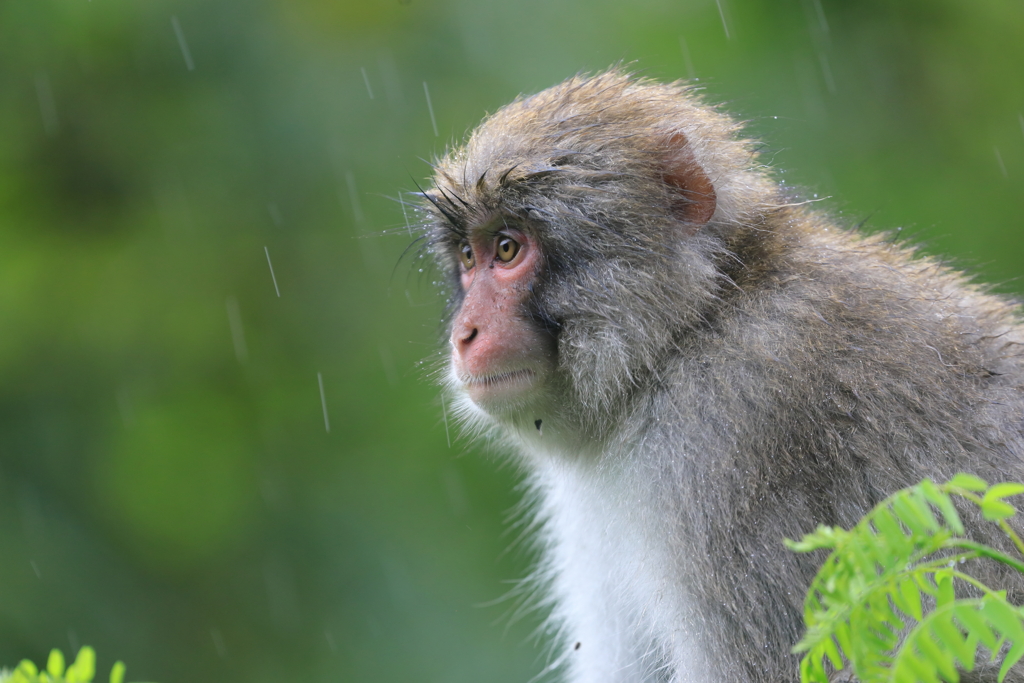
(80, 671)
(168, 488)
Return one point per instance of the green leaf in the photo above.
(937, 655)
(911, 668)
(1012, 657)
(1003, 616)
(925, 582)
(944, 580)
(873, 581)
(25, 672)
(969, 482)
(999, 648)
(55, 663)
(81, 671)
(976, 624)
(832, 652)
(885, 613)
(811, 670)
(911, 598)
(940, 499)
(84, 667)
(822, 537)
(996, 510)
(891, 538)
(911, 515)
(950, 638)
(999, 491)
(842, 633)
(972, 643)
(27, 667)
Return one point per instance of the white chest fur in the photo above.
(619, 587)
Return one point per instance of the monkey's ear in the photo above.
(697, 199)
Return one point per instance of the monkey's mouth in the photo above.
(493, 391)
(499, 380)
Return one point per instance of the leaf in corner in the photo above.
(117, 673)
(1012, 657)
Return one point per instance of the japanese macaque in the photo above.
(691, 365)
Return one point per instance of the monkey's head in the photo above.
(582, 231)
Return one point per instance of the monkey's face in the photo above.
(583, 229)
(501, 360)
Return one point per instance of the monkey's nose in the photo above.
(461, 339)
(467, 338)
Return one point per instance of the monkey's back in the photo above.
(873, 352)
(836, 369)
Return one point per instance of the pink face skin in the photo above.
(497, 355)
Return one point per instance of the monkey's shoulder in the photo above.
(818, 289)
(852, 340)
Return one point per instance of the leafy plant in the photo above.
(884, 602)
(81, 671)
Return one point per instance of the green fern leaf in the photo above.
(1012, 657)
(940, 499)
(1003, 616)
(1003, 490)
(994, 510)
(944, 582)
(865, 610)
(952, 639)
(941, 658)
(969, 482)
(911, 603)
(822, 537)
(976, 624)
(84, 667)
(55, 664)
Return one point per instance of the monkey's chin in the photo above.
(503, 392)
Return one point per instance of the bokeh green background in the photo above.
(168, 490)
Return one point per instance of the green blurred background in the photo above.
(169, 492)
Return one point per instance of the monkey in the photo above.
(690, 364)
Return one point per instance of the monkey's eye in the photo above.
(507, 249)
(466, 255)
